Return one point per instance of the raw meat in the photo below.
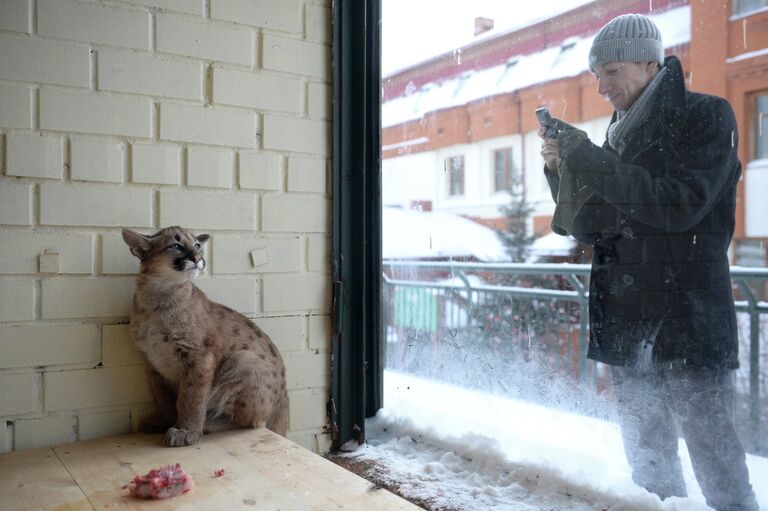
(161, 483)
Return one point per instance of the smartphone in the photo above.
(542, 114)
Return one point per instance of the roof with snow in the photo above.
(568, 59)
(408, 234)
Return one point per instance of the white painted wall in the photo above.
(211, 115)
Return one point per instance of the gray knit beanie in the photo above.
(627, 38)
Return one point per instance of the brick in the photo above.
(91, 112)
(91, 388)
(34, 155)
(62, 204)
(157, 164)
(320, 333)
(319, 100)
(295, 57)
(19, 252)
(173, 5)
(87, 298)
(318, 22)
(203, 210)
(296, 292)
(5, 437)
(235, 293)
(15, 109)
(319, 253)
(257, 90)
(307, 175)
(16, 299)
(286, 332)
(295, 213)
(28, 59)
(44, 432)
(212, 169)
(281, 133)
(204, 40)
(97, 23)
(20, 394)
(117, 347)
(308, 410)
(233, 254)
(283, 15)
(96, 160)
(14, 16)
(260, 171)
(116, 257)
(99, 425)
(47, 345)
(136, 74)
(15, 203)
(207, 125)
(304, 371)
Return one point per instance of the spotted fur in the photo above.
(211, 367)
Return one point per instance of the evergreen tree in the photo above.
(515, 236)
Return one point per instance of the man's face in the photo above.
(621, 83)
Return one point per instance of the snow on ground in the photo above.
(462, 449)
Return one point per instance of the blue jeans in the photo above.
(652, 404)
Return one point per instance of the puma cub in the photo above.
(211, 368)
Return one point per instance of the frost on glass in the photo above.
(484, 319)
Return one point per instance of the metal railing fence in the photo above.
(524, 309)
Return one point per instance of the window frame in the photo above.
(356, 370)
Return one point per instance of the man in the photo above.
(657, 204)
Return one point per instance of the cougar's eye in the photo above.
(176, 246)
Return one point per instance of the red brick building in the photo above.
(457, 128)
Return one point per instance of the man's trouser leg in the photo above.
(649, 432)
(703, 401)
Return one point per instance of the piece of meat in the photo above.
(161, 483)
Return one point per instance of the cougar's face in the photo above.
(174, 253)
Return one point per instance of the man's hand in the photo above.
(569, 138)
(549, 150)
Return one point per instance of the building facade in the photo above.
(459, 130)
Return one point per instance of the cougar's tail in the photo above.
(279, 421)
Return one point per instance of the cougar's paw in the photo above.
(175, 437)
(156, 424)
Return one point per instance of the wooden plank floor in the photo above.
(262, 471)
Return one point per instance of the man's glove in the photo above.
(568, 138)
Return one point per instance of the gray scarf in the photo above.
(638, 112)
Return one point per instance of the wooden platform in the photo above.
(262, 471)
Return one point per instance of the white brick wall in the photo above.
(48, 345)
(160, 164)
(96, 160)
(14, 15)
(146, 113)
(14, 106)
(34, 155)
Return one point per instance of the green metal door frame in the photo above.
(356, 371)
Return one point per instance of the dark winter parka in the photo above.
(660, 220)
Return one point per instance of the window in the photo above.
(761, 127)
(454, 165)
(744, 6)
(505, 178)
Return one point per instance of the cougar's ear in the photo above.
(138, 243)
(203, 238)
